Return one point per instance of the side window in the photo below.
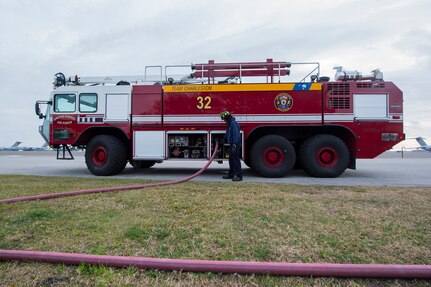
(88, 103)
(64, 103)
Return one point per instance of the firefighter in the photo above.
(233, 138)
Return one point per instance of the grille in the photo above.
(339, 103)
(337, 89)
(370, 85)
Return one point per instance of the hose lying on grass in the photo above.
(109, 189)
(240, 267)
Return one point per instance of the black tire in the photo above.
(272, 156)
(324, 156)
(140, 164)
(247, 160)
(105, 155)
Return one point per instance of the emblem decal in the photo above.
(283, 102)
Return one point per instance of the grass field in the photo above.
(216, 221)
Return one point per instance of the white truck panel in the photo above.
(149, 145)
(117, 107)
(370, 106)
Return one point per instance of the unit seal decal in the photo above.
(283, 102)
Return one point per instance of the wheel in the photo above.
(142, 163)
(272, 156)
(105, 155)
(247, 160)
(324, 156)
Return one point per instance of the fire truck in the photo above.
(172, 113)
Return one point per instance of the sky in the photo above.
(108, 37)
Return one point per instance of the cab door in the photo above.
(64, 118)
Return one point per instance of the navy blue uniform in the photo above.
(233, 138)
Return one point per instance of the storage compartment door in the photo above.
(147, 105)
(149, 145)
(117, 107)
(370, 106)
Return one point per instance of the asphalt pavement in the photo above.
(389, 169)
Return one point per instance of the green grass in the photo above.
(217, 221)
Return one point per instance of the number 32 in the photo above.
(204, 103)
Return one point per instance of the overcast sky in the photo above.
(95, 37)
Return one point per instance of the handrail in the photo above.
(150, 67)
(309, 63)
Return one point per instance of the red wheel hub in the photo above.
(273, 157)
(327, 157)
(99, 156)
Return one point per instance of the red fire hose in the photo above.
(109, 189)
(240, 267)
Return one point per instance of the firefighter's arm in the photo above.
(236, 139)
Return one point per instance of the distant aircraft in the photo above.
(13, 147)
(16, 147)
(423, 144)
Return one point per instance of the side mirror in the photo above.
(37, 108)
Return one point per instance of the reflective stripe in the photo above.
(286, 118)
(244, 119)
(312, 118)
(339, 118)
(147, 119)
(242, 88)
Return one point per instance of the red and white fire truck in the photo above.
(318, 125)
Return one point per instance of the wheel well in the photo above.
(298, 134)
(90, 133)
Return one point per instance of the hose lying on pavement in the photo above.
(239, 267)
(109, 189)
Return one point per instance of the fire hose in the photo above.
(390, 271)
(110, 189)
(239, 267)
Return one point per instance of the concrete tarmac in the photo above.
(389, 169)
